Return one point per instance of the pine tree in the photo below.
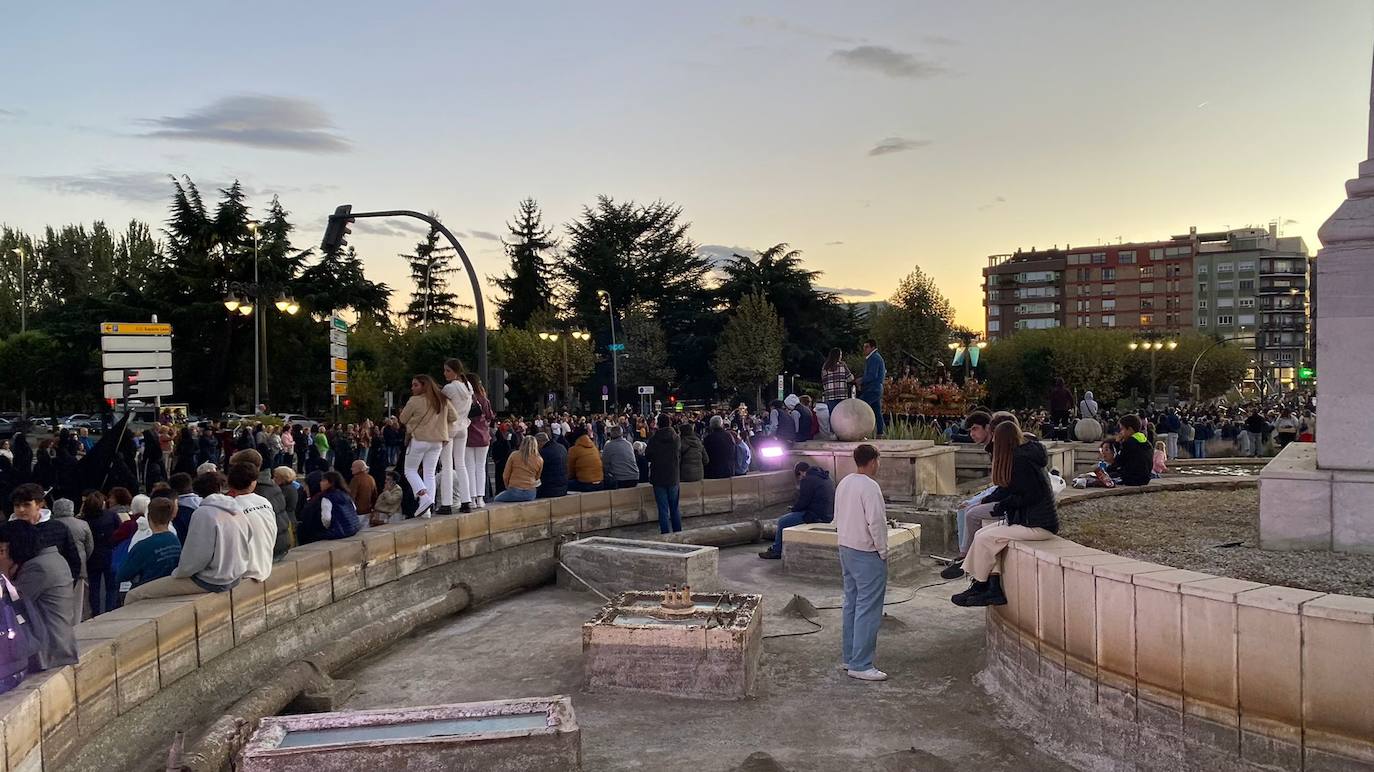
(750, 351)
(528, 286)
(431, 302)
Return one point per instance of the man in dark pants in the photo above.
(871, 383)
(815, 504)
(664, 453)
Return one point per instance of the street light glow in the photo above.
(1133, 345)
(246, 307)
(231, 302)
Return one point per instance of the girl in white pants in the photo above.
(454, 458)
(428, 418)
(477, 473)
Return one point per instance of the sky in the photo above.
(873, 136)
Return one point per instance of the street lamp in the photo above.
(23, 324)
(552, 337)
(1153, 342)
(615, 365)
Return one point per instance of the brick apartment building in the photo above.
(1247, 283)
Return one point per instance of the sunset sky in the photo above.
(874, 136)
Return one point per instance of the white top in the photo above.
(262, 524)
(460, 396)
(861, 514)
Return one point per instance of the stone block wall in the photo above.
(138, 653)
(1159, 668)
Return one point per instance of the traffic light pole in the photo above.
(478, 303)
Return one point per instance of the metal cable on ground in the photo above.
(820, 627)
(585, 583)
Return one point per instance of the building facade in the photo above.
(1250, 284)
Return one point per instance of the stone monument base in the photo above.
(908, 468)
(1304, 507)
(813, 551)
(616, 565)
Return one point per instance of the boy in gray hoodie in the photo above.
(215, 555)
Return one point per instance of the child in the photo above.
(156, 555)
(388, 506)
(1160, 467)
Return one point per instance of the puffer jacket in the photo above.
(693, 458)
(1028, 499)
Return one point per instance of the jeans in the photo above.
(787, 521)
(577, 486)
(865, 585)
(877, 405)
(1256, 443)
(515, 494)
(1199, 448)
(103, 590)
(669, 516)
(971, 520)
(831, 403)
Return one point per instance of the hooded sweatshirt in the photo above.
(584, 462)
(816, 496)
(218, 544)
(1028, 498)
(262, 522)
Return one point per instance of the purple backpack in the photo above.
(16, 640)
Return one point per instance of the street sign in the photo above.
(338, 351)
(338, 336)
(646, 390)
(779, 387)
(338, 357)
(616, 347)
(134, 328)
(340, 390)
(605, 390)
(338, 377)
(145, 374)
(137, 360)
(338, 324)
(605, 397)
(141, 389)
(135, 343)
(340, 365)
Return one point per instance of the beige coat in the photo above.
(422, 423)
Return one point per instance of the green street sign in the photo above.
(1306, 373)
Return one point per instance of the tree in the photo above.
(28, 362)
(528, 286)
(430, 266)
(535, 365)
(645, 358)
(750, 350)
(640, 256)
(916, 325)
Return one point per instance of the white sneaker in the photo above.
(871, 674)
(480, 503)
(844, 667)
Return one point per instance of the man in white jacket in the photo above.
(861, 524)
(215, 555)
(453, 457)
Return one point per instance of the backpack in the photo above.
(16, 638)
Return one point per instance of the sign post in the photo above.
(136, 360)
(338, 360)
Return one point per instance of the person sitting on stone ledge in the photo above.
(1135, 457)
(215, 556)
(338, 512)
(815, 504)
(720, 450)
(618, 465)
(974, 511)
(521, 475)
(585, 471)
(1024, 497)
(553, 478)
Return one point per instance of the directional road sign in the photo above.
(616, 347)
(142, 347)
(134, 328)
(338, 357)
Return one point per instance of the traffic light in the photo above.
(348, 402)
(130, 383)
(337, 231)
(672, 399)
(110, 401)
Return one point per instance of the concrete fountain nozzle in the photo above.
(677, 601)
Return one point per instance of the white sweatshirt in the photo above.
(262, 523)
(459, 394)
(861, 514)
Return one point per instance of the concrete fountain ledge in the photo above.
(1158, 668)
(151, 669)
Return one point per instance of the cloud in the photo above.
(392, 226)
(848, 292)
(256, 120)
(1290, 221)
(783, 25)
(888, 61)
(143, 187)
(8, 113)
(994, 202)
(896, 145)
(720, 254)
(488, 235)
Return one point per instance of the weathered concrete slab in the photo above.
(812, 550)
(616, 565)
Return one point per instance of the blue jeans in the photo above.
(577, 486)
(1199, 448)
(515, 494)
(865, 584)
(666, 499)
(787, 521)
(877, 405)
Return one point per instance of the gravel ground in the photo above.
(1185, 529)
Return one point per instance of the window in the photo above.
(1175, 269)
(1037, 276)
(1109, 304)
(994, 325)
(1226, 286)
(1125, 258)
(1201, 269)
(1157, 254)
(1202, 288)
(1108, 274)
(1202, 321)
(1247, 284)
(1083, 274)
(1147, 320)
(1084, 289)
(1247, 302)
(1245, 319)
(1037, 308)
(1099, 258)
(1037, 292)
(1246, 266)
(1147, 304)
(1202, 304)
(1225, 267)
(1109, 320)
(1285, 356)
(1225, 320)
(1147, 271)
(1036, 324)
(1085, 321)
(994, 310)
(1085, 305)
(993, 279)
(1226, 302)
(1147, 287)
(994, 294)
(1108, 289)
(1176, 252)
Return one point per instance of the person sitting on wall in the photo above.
(1135, 458)
(815, 504)
(1024, 497)
(976, 510)
(553, 478)
(585, 471)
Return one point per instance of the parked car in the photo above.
(79, 421)
(296, 419)
(7, 428)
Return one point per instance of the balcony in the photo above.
(1281, 286)
(1283, 267)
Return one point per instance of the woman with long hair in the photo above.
(1024, 498)
(479, 440)
(454, 483)
(835, 379)
(103, 521)
(523, 469)
(427, 417)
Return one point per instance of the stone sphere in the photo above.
(1087, 430)
(852, 420)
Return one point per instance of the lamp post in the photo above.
(553, 337)
(1192, 374)
(241, 298)
(23, 324)
(1152, 342)
(963, 349)
(615, 368)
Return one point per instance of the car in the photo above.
(296, 419)
(7, 428)
(77, 421)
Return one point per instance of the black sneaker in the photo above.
(466, 508)
(977, 588)
(769, 554)
(444, 510)
(953, 571)
(992, 595)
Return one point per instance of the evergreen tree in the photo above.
(645, 359)
(528, 286)
(750, 350)
(431, 302)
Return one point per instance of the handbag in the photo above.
(16, 637)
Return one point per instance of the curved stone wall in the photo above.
(1158, 668)
(152, 668)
